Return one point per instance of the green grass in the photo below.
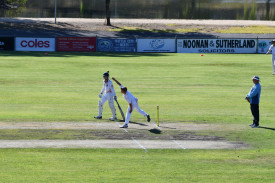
(65, 86)
(72, 165)
(164, 30)
(175, 28)
(188, 88)
(248, 30)
(257, 139)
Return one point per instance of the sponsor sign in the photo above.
(34, 44)
(217, 45)
(82, 44)
(156, 45)
(6, 43)
(263, 45)
(116, 45)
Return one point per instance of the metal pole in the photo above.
(55, 11)
(116, 8)
(158, 115)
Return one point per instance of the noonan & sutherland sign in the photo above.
(216, 45)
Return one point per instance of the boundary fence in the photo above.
(140, 45)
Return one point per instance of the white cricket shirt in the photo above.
(108, 88)
(129, 97)
(272, 48)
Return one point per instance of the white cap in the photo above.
(256, 77)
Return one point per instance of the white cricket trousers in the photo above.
(128, 115)
(273, 62)
(105, 97)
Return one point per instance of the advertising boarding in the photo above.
(263, 45)
(116, 45)
(156, 45)
(79, 44)
(34, 44)
(6, 43)
(216, 45)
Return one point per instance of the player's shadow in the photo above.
(267, 128)
(136, 123)
(171, 128)
(155, 131)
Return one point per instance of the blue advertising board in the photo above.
(116, 45)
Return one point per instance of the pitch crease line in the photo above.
(157, 126)
(122, 128)
(181, 146)
(141, 146)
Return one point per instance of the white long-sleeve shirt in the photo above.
(272, 49)
(108, 88)
(129, 97)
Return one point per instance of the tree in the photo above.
(3, 4)
(108, 12)
(7, 4)
(267, 7)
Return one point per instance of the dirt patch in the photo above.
(46, 134)
(114, 126)
(132, 144)
(109, 135)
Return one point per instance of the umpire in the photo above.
(254, 99)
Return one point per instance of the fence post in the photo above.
(176, 39)
(257, 46)
(55, 11)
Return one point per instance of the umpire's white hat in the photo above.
(256, 77)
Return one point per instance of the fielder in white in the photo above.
(133, 104)
(107, 93)
(272, 49)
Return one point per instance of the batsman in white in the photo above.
(133, 104)
(107, 93)
(272, 49)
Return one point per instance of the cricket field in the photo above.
(201, 99)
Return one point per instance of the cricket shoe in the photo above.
(112, 119)
(251, 124)
(254, 126)
(124, 126)
(273, 73)
(98, 117)
(148, 118)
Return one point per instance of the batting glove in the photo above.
(115, 97)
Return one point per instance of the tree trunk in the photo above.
(193, 9)
(108, 13)
(267, 7)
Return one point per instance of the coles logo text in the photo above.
(35, 44)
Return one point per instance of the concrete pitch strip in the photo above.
(116, 144)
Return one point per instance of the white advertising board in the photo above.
(156, 45)
(216, 45)
(263, 45)
(34, 44)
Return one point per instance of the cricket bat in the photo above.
(121, 111)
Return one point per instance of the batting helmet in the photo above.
(106, 74)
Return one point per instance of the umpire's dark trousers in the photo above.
(256, 114)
